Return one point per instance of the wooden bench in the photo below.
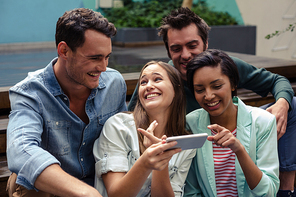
(4, 172)
(249, 97)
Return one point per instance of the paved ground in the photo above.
(15, 66)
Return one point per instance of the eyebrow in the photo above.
(155, 73)
(210, 82)
(97, 56)
(188, 43)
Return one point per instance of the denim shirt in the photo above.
(42, 129)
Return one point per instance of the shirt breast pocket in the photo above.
(58, 137)
(103, 118)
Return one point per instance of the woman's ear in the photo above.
(206, 47)
(63, 50)
(233, 88)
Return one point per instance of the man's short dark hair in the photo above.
(72, 25)
(179, 19)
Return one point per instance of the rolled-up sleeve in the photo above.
(111, 149)
(24, 154)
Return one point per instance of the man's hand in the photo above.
(280, 111)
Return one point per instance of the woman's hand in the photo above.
(156, 157)
(225, 138)
(149, 137)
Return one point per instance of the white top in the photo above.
(117, 150)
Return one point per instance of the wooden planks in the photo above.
(4, 175)
(282, 67)
(3, 127)
(4, 98)
(131, 80)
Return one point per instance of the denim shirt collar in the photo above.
(54, 87)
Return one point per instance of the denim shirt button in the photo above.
(81, 159)
(83, 143)
(65, 98)
(57, 123)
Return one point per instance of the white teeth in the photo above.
(151, 95)
(212, 104)
(93, 74)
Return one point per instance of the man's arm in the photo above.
(262, 82)
(34, 165)
(56, 181)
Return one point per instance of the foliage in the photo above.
(213, 17)
(150, 13)
(291, 28)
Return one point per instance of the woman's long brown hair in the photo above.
(176, 120)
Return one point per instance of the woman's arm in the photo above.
(154, 158)
(161, 184)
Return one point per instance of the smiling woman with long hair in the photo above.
(131, 161)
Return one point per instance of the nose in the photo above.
(209, 95)
(150, 85)
(102, 66)
(186, 54)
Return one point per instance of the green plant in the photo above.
(150, 13)
(291, 28)
(213, 17)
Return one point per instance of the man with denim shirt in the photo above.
(59, 111)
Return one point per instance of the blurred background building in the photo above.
(31, 23)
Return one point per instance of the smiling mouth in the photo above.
(151, 95)
(184, 64)
(212, 104)
(93, 74)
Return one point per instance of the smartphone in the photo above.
(191, 141)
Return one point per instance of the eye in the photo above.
(192, 46)
(176, 49)
(218, 86)
(158, 79)
(107, 57)
(143, 82)
(199, 91)
(95, 58)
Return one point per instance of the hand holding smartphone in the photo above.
(191, 141)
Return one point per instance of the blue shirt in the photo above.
(42, 129)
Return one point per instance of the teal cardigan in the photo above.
(256, 130)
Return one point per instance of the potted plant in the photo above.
(137, 24)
